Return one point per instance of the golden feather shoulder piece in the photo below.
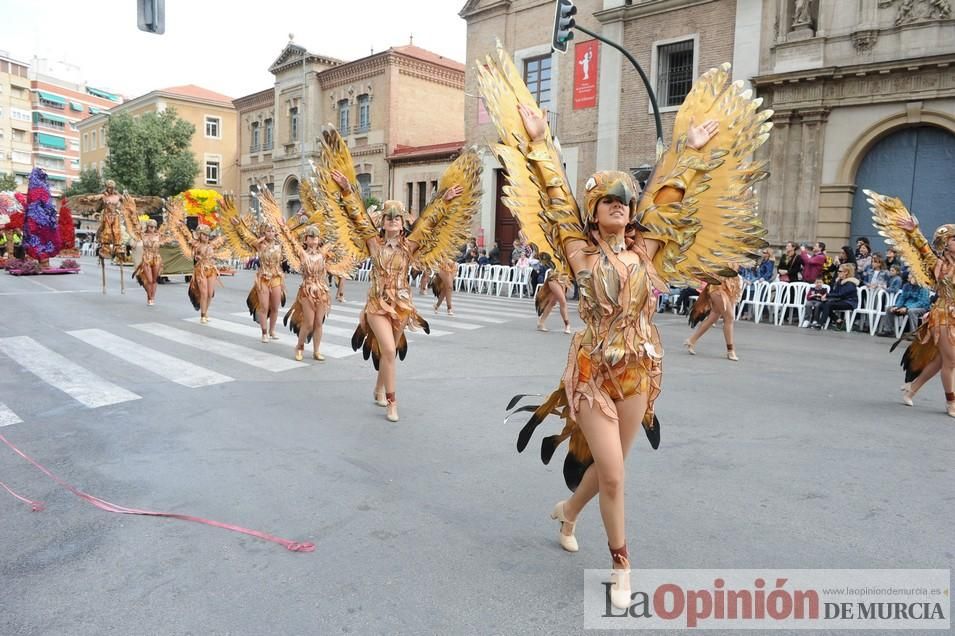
(912, 246)
(716, 224)
(234, 228)
(131, 217)
(291, 246)
(446, 225)
(530, 168)
(175, 225)
(344, 221)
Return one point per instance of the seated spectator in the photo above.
(814, 299)
(892, 260)
(482, 257)
(863, 258)
(876, 277)
(862, 242)
(748, 274)
(683, 300)
(842, 297)
(766, 270)
(494, 256)
(790, 265)
(895, 280)
(812, 264)
(517, 251)
(913, 301)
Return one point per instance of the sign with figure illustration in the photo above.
(585, 74)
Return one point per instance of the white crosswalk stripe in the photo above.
(164, 365)
(7, 417)
(82, 385)
(245, 355)
(326, 328)
(488, 310)
(328, 349)
(447, 324)
(353, 321)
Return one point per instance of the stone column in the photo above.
(772, 195)
(810, 172)
(835, 214)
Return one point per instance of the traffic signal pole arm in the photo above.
(643, 76)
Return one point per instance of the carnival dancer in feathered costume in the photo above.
(553, 291)
(41, 234)
(146, 231)
(442, 226)
(695, 219)
(307, 254)
(717, 300)
(932, 346)
(203, 248)
(262, 238)
(442, 284)
(107, 206)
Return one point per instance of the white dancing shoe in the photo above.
(379, 399)
(689, 347)
(907, 394)
(567, 541)
(620, 595)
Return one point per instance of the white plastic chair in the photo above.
(517, 281)
(774, 296)
(792, 297)
(874, 309)
(364, 270)
(755, 295)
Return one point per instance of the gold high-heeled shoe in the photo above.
(318, 356)
(689, 347)
(567, 541)
(379, 399)
(298, 354)
(731, 354)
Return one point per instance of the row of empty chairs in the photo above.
(491, 280)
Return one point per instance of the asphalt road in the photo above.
(799, 456)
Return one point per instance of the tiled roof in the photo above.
(422, 54)
(197, 92)
(409, 152)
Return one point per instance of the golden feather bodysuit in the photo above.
(151, 255)
(618, 354)
(314, 285)
(270, 266)
(389, 293)
(109, 234)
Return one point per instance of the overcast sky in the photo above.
(223, 45)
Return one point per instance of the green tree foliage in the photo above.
(150, 155)
(88, 183)
(7, 182)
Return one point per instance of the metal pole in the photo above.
(643, 76)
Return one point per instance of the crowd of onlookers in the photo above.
(835, 281)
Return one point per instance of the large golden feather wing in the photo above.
(446, 225)
(344, 221)
(716, 224)
(273, 215)
(235, 229)
(131, 217)
(525, 195)
(887, 212)
(175, 225)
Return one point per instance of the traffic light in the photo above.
(563, 25)
(151, 16)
